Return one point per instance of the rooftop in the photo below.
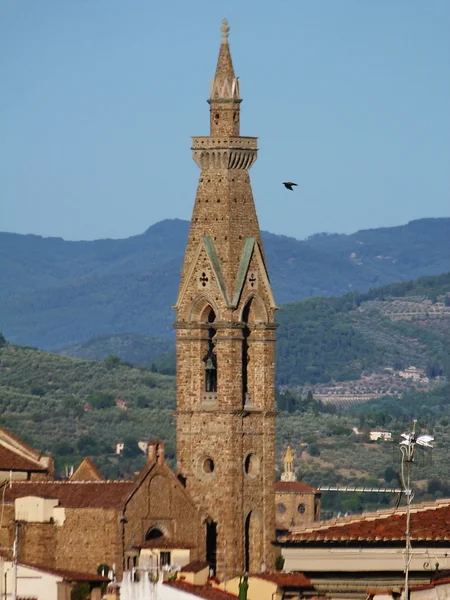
(295, 487)
(74, 494)
(283, 580)
(12, 461)
(429, 522)
(202, 591)
(67, 574)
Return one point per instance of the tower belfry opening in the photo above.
(225, 337)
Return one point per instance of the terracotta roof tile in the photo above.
(67, 574)
(74, 494)
(286, 579)
(6, 433)
(202, 591)
(428, 522)
(295, 486)
(195, 566)
(432, 584)
(12, 461)
(87, 471)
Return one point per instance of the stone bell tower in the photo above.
(225, 339)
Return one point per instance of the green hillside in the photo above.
(324, 339)
(129, 347)
(54, 294)
(67, 407)
(332, 339)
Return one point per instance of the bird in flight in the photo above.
(288, 185)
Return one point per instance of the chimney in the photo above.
(155, 452)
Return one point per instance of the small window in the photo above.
(164, 559)
(281, 508)
(208, 465)
(301, 509)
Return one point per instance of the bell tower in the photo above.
(225, 341)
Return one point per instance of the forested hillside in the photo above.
(74, 408)
(402, 324)
(321, 340)
(54, 293)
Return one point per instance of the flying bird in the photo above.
(288, 185)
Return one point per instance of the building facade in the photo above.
(296, 502)
(225, 340)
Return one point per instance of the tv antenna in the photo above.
(408, 450)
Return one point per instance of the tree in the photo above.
(131, 448)
(112, 362)
(3, 341)
(313, 450)
(100, 401)
(389, 474)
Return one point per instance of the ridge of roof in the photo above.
(371, 516)
(73, 494)
(201, 591)
(295, 486)
(7, 433)
(65, 573)
(429, 521)
(11, 460)
(88, 464)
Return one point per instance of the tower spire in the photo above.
(224, 97)
(225, 85)
(225, 346)
(289, 472)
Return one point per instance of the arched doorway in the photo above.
(211, 544)
(153, 534)
(253, 543)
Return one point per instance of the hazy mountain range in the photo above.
(55, 293)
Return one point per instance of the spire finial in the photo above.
(224, 29)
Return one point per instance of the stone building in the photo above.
(220, 507)
(225, 344)
(84, 523)
(296, 502)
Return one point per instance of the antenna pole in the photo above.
(15, 559)
(407, 451)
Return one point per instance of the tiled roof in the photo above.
(12, 461)
(202, 591)
(74, 494)
(87, 471)
(66, 574)
(284, 580)
(428, 522)
(5, 433)
(429, 586)
(195, 566)
(295, 486)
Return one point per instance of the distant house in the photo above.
(380, 435)
(120, 446)
(123, 404)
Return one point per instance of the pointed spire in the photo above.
(225, 85)
(289, 473)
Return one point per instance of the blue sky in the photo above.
(349, 98)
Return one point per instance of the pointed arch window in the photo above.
(210, 358)
(245, 350)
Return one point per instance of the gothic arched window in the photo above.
(210, 358)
